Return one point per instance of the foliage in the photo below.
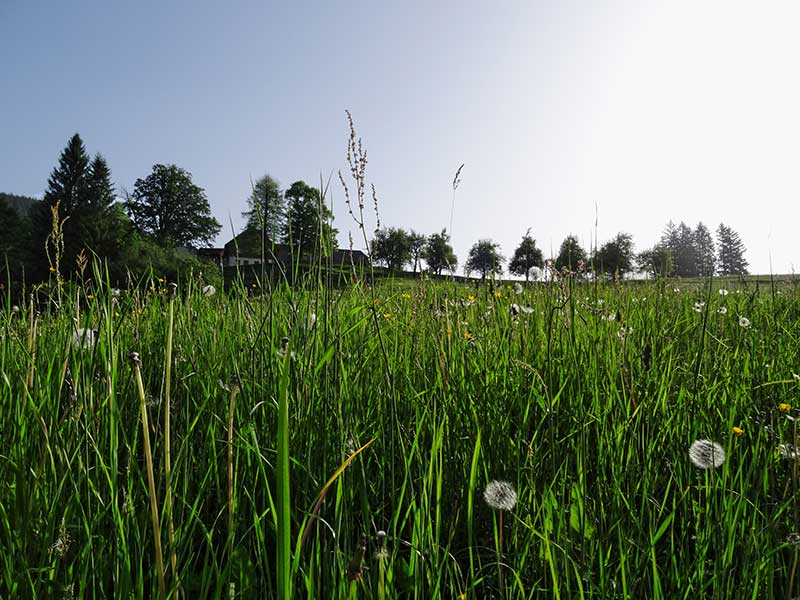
(704, 251)
(418, 242)
(526, 256)
(170, 207)
(588, 418)
(308, 221)
(656, 261)
(615, 257)
(266, 208)
(731, 251)
(438, 253)
(392, 247)
(570, 254)
(485, 257)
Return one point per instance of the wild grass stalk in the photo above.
(151, 483)
(168, 442)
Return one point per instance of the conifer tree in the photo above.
(526, 256)
(704, 251)
(730, 252)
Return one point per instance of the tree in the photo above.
(170, 207)
(417, 246)
(103, 225)
(704, 251)
(68, 192)
(655, 261)
(14, 240)
(730, 254)
(570, 254)
(485, 257)
(438, 253)
(266, 208)
(526, 256)
(308, 221)
(392, 247)
(615, 257)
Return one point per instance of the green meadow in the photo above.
(323, 442)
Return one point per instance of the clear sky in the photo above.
(648, 110)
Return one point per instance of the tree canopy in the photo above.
(570, 254)
(308, 221)
(170, 207)
(392, 247)
(266, 208)
(526, 256)
(731, 250)
(615, 257)
(485, 257)
(438, 253)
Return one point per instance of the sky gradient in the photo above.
(638, 112)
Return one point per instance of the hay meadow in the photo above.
(406, 439)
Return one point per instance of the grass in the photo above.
(289, 456)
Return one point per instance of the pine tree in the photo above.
(730, 252)
(704, 251)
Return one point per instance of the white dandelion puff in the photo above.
(517, 288)
(500, 495)
(706, 454)
(698, 306)
(209, 290)
(744, 322)
(722, 310)
(526, 309)
(723, 292)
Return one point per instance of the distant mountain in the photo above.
(22, 204)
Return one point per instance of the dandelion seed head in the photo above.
(723, 292)
(500, 495)
(517, 288)
(209, 290)
(722, 310)
(706, 454)
(744, 322)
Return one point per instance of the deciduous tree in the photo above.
(526, 256)
(485, 257)
(170, 207)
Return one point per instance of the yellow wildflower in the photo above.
(407, 296)
(737, 431)
(470, 298)
(785, 407)
(387, 315)
(52, 269)
(498, 294)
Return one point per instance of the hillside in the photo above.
(22, 204)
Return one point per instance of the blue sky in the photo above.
(647, 110)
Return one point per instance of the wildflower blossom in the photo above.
(698, 306)
(723, 292)
(500, 495)
(705, 454)
(387, 315)
(744, 322)
(722, 310)
(737, 431)
(209, 290)
(784, 407)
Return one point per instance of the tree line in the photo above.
(155, 227)
(681, 251)
(167, 214)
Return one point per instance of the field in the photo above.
(342, 443)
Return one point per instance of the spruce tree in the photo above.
(266, 208)
(704, 251)
(68, 190)
(730, 254)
